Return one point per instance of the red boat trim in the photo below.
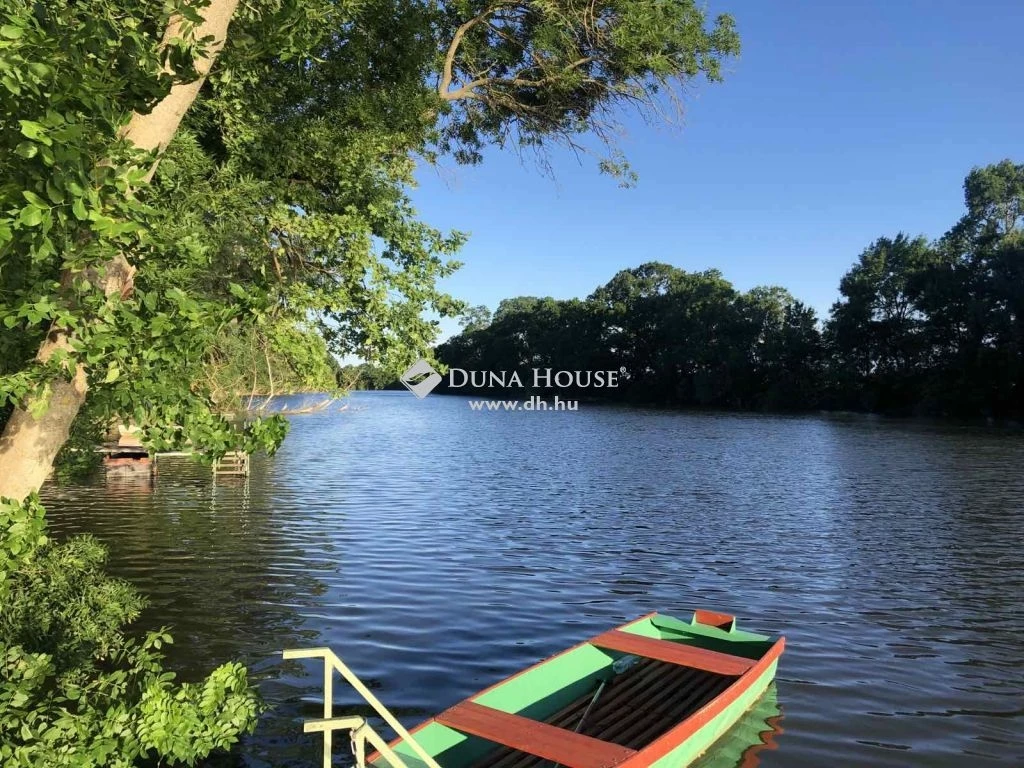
(674, 653)
(572, 750)
(660, 747)
(724, 621)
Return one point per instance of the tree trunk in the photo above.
(30, 443)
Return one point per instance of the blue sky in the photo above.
(841, 121)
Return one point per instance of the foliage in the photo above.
(939, 327)
(22, 534)
(876, 329)
(366, 376)
(75, 690)
(685, 338)
(530, 72)
(475, 318)
(921, 327)
(283, 198)
(73, 199)
(283, 358)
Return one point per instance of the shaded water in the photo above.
(438, 550)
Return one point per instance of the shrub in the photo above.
(76, 690)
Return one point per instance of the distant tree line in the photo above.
(365, 376)
(921, 327)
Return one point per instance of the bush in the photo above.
(75, 690)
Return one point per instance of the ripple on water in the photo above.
(439, 550)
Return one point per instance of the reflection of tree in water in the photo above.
(745, 744)
(229, 570)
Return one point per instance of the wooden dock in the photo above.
(135, 458)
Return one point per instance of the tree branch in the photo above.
(453, 48)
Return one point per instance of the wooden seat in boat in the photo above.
(559, 745)
(673, 653)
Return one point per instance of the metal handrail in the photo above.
(362, 733)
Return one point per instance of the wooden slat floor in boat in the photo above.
(635, 709)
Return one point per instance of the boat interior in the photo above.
(597, 704)
(643, 703)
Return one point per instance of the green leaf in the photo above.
(40, 70)
(30, 216)
(27, 149)
(37, 407)
(35, 199)
(11, 32)
(78, 208)
(31, 129)
(53, 191)
(112, 373)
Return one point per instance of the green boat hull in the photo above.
(675, 699)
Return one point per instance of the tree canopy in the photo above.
(529, 73)
(921, 327)
(281, 199)
(678, 337)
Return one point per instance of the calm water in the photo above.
(438, 550)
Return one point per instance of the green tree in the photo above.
(975, 300)
(633, 306)
(921, 327)
(526, 73)
(475, 318)
(784, 365)
(682, 338)
(876, 332)
(281, 192)
(994, 196)
(938, 328)
(278, 359)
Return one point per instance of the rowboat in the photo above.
(657, 691)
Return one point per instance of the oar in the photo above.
(590, 706)
(620, 666)
(593, 700)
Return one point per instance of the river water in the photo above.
(438, 550)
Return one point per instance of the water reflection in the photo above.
(439, 550)
(216, 562)
(756, 733)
